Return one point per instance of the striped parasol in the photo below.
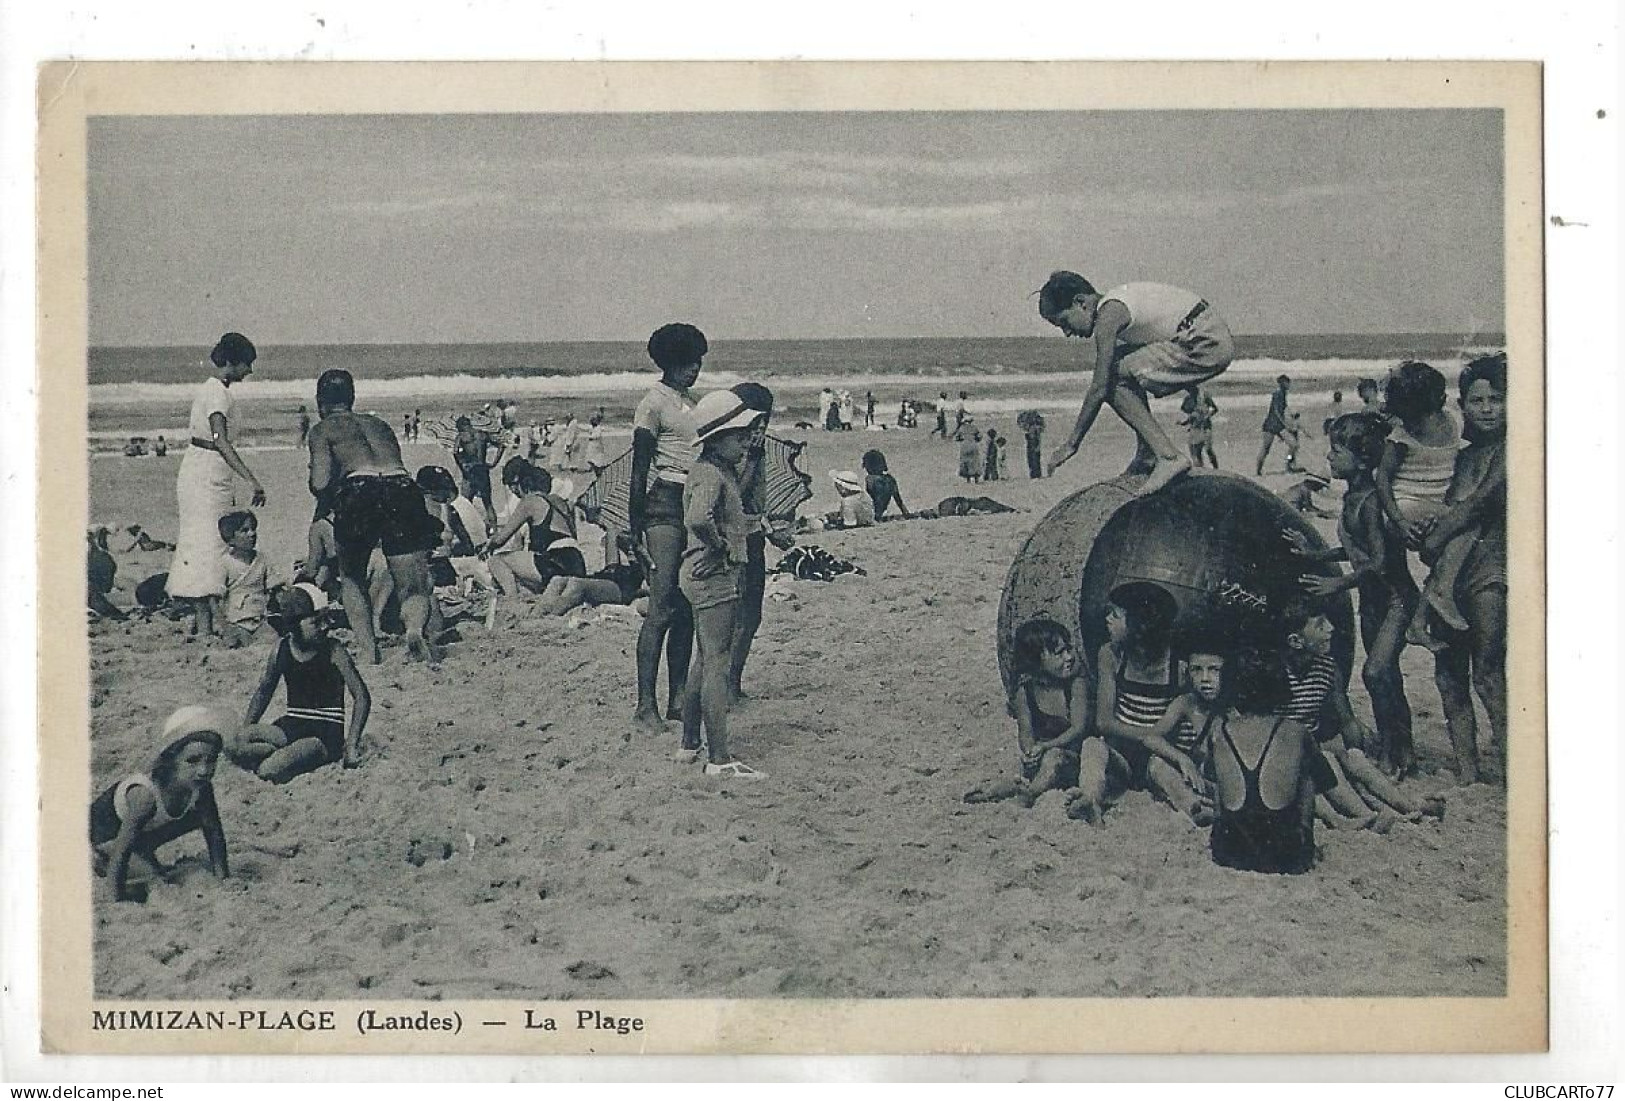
(607, 500)
(444, 429)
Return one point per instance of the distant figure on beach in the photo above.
(1293, 435)
(1275, 424)
(942, 417)
(197, 574)
(1370, 396)
(172, 798)
(596, 460)
(318, 671)
(101, 569)
(970, 454)
(847, 410)
(356, 467)
(827, 417)
(961, 409)
(1199, 409)
(471, 452)
(882, 487)
(563, 444)
(1333, 411)
(304, 425)
(160, 447)
(417, 424)
(868, 408)
(990, 461)
(1031, 423)
(664, 448)
(1151, 340)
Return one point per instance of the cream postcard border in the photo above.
(71, 92)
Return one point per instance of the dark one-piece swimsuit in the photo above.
(1047, 726)
(1259, 837)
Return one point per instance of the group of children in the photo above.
(1247, 728)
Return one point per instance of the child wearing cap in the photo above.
(714, 520)
(172, 798)
(857, 508)
(317, 670)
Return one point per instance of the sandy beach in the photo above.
(509, 835)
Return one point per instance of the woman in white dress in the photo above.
(563, 444)
(203, 490)
(596, 460)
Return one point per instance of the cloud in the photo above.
(425, 201)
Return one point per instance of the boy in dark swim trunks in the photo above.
(356, 467)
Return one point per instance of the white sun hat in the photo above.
(720, 411)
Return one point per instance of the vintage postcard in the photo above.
(792, 558)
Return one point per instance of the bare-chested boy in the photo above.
(356, 467)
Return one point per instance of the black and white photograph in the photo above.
(578, 556)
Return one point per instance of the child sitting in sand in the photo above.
(317, 671)
(1151, 340)
(1049, 698)
(248, 581)
(1362, 798)
(620, 583)
(714, 518)
(173, 798)
(1264, 791)
(1388, 594)
(857, 509)
(1138, 677)
(881, 486)
(970, 455)
(554, 551)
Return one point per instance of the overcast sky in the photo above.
(598, 227)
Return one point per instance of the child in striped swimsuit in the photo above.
(318, 671)
(1138, 678)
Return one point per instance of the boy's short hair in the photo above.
(1364, 434)
(755, 396)
(676, 345)
(1337, 395)
(233, 522)
(1205, 638)
(1033, 640)
(1490, 368)
(874, 462)
(1415, 389)
(335, 388)
(1294, 614)
(514, 468)
(1283, 380)
(233, 348)
(462, 421)
(1061, 290)
(1366, 386)
(1255, 682)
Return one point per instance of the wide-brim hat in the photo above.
(722, 411)
(846, 481)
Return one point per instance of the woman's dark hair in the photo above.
(514, 468)
(1033, 640)
(233, 522)
(534, 479)
(1150, 610)
(1415, 389)
(163, 766)
(436, 479)
(1363, 434)
(676, 345)
(233, 348)
(1492, 369)
(1255, 681)
(755, 396)
(874, 462)
(1061, 290)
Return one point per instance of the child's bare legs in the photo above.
(1440, 591)
(1089, 803)
(1487, 618)
(748, 618)
(203, 608)
(1168, 785)
(305, 755)
(706, 699)
(1212, 456)
(1264, 452)
(557, 598)
(1129, 401)
(380, 587)
(414, 589)
(1368, 779)
(1386, 685)
(253, 744)
(1452, 666)
(669, 626)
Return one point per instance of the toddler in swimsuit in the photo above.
(317, 671)
(172, 798)
(1050, 701)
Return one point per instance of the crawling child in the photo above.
(172, 798)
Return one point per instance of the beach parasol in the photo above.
(607, 500)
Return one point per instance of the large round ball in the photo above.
(1211, 539)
